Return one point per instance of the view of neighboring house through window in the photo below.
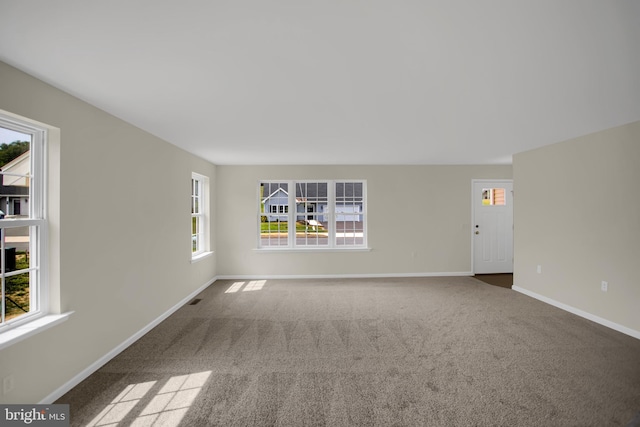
(279, 209)
(199, 215)
(274, 227)
(316, 214)
(312, 214)
(22, 223)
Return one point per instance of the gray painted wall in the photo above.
(121, 238)
(577, 214)
(418, 220)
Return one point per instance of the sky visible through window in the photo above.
(8, 136)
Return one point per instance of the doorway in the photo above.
(492, 226)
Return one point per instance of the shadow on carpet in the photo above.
(504, 280)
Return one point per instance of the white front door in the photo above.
(492, 226)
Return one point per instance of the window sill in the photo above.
(201, 256)
(31, 328)
(315, 250)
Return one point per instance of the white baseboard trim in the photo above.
(60, 391)
(340, 276)
(604, 322)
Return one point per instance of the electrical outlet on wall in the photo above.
(604, 286)
(539, 269)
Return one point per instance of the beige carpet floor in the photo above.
(379, 352)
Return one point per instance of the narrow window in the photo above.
(199, 215)
(312, 227)
(273, 223)
(350, 214)
(22, 221)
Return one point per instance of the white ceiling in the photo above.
(340, 81)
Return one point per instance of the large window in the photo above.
(22, 222)
(199, 215)
(312, 214)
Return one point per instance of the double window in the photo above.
(312, 214)
(22, 222)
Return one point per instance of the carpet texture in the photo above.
(376, 352)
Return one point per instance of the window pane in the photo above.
(17, 247)
(196, 205)
(274, 230)
(17, 297)
(273, 195)
(15, 176)
(493, 197)
(16, 259)
(195, 234)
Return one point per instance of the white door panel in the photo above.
(493, 227)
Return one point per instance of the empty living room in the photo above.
(319, 213)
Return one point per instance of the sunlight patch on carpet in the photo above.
(254, 285)
(166, 408)
(234, 288)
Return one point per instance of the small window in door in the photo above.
(493, 197)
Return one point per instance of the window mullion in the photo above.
(36, 203)
(36, 238)
(2, 267)
(291, 223)
(331, 205)
(365, 220)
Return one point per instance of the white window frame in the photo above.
(330, 213)
(43, 300)
(202, 217)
